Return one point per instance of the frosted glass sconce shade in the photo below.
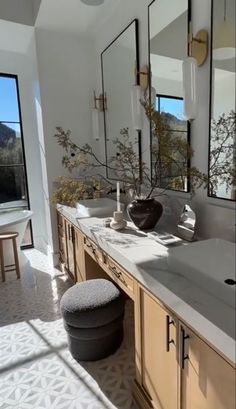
(189, 88)
(224, 42)
(95, 124)
(136, 97)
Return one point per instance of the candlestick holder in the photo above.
(118, 222)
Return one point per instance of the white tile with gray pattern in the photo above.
(36, 368)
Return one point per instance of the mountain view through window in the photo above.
(13, 186)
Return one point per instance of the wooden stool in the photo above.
(9, 236)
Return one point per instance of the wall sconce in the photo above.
(198, 52)
(198, 46)
(136, 97)
(99, 105)
(140, 92)
(100, 102)
(224, 40)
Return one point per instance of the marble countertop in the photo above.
(147, 261)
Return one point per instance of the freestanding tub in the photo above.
(13, 221)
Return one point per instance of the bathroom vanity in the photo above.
(184, 335)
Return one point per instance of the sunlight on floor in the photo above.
(36, 368)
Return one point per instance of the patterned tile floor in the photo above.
(36, 369)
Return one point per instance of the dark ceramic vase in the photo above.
(145, 213)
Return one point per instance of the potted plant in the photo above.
(144, 210)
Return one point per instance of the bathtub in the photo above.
(13, 221)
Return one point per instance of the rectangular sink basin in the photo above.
(96, 207)
(208, 263)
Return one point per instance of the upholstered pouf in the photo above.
(93, 314)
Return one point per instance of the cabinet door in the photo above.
(70, 261)
(159, 366)
(61, 239)
(208, 381)
(79, 256)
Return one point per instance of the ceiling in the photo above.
(166, 67)
(59, 15)
(20, 11)
(74, 16)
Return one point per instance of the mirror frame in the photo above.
(210, 107)
(189, 22)
(139, 133)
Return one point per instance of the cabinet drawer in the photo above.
(94, 251)
(120, 277)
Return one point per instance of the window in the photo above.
(13, 180)
(172, 109)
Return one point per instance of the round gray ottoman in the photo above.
(93, 314)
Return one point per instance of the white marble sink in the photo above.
(96, 207)
(208, 263)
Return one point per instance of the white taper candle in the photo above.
(118, 196)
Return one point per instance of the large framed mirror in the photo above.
(168, 47)
(120, 67)
(222, 138)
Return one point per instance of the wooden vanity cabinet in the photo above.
(207, 380)
(176, 369)
(159, 358)
(71, 249)
(70, 259)
(66, 239)
(79, 256)
(61, 239)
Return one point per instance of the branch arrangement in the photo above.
(170, 154)
(222, 169)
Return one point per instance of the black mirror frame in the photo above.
(150, 85)
(210, 107)
(139, 133)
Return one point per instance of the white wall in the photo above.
(66, 73)
(118, 62)
(224, 94)
(215, 217)
(167, 87)
(23, 64)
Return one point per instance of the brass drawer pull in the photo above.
(114, 270)
(119, 275)
(91, 247)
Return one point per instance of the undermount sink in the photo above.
(96, 207)
(208, 263)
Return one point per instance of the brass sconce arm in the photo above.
(198, 46)
(100, 102)
(144, 75)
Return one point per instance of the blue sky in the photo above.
(173, 106)
(8, 101)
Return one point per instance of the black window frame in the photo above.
(20, 123)
(188, 131)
